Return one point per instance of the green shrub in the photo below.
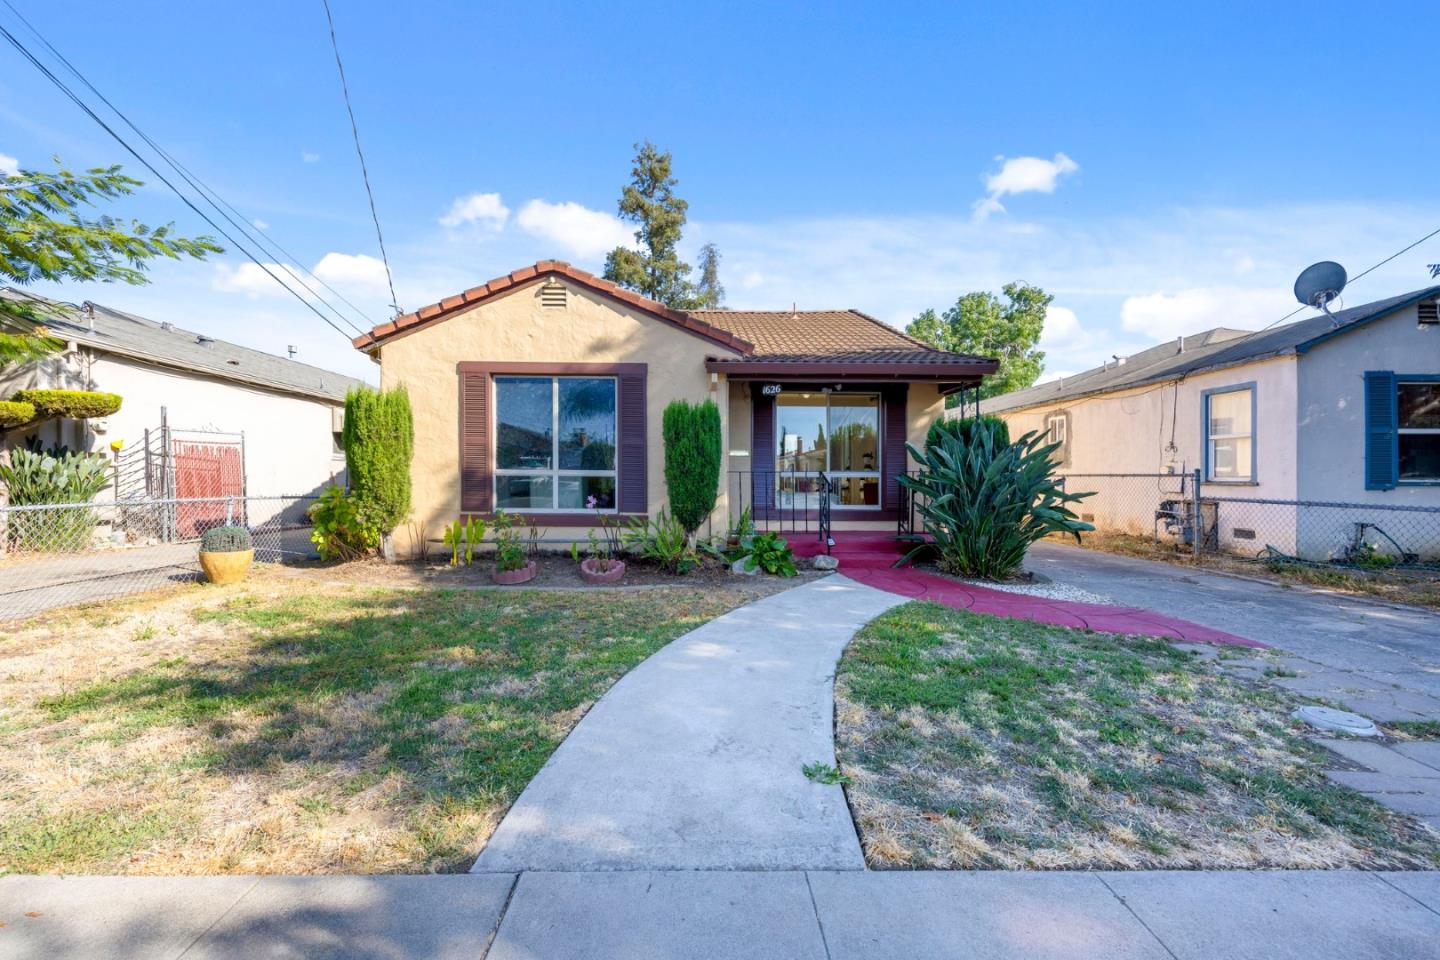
(14, 412)
(692, 460)
(769, 552)
(379, 441)
(342, 528)
(964, 428)
(69, 404)
(662, 541)
(32, 478)
(509, 549)
(986, 500)
(226, 539)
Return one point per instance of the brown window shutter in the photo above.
(893, 455)
(634, 444)
(476, 483)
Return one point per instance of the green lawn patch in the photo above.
(294, 727)
(974, 741)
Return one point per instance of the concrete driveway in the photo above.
(1382, 660)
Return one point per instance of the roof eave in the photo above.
(881, 370)
(1410, 301)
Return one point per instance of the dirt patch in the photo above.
(553, 571)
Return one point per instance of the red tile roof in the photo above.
(435, 312)
(772, 336)
(837, 336)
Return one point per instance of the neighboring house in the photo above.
(214, 397)
(540, 390)
(1319, 410)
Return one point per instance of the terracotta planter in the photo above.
(511, 577)
(590, 571)
(228, 567)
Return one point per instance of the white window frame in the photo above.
(554, 472)
(1210, 438)
(877, 474)
(1411, 431)
(1060, 420)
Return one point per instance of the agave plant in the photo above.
(985, 500)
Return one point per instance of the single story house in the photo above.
(198, 416)
(542, 391)
(1342, 410)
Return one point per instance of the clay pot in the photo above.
(590, 571)
(227, 567)
(512, 577)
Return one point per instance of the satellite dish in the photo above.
(1320, 283)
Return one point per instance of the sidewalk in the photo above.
(817, 915)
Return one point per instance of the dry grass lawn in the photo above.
(972, 741)
(291, 725)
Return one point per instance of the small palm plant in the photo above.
(985, 500)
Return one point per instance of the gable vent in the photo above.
(552, 295)
(1429, 311)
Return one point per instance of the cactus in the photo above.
(227, 539)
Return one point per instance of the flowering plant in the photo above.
(605, 546)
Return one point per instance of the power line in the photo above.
(208, 193)
(364, 172)
(1371, 269)
(74, 98)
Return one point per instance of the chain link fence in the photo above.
(1160, 514)
(55, 555)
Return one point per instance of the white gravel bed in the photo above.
(1050, 591)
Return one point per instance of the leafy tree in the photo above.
(656, 269)
(692, 460)
(709, 293)
(379, 441)
(981, 324)
(44, 237)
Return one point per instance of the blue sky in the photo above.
(1161, 168)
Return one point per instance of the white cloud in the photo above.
(1061, 328)
(1022, 175)
(307, 157)
(580, 230)
(482, 208)
(9, 166)
(1161, 316)
(260, 224)
(1244, 266)
(355, 272)
(249, 279)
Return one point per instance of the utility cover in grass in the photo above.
(974, 741)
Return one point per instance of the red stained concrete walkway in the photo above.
(869, 558)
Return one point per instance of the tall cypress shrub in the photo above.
(692, 460)
(379, 439)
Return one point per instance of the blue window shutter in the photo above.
(1382, 467)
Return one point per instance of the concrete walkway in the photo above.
(1380, 659)
(693, 760)
(815, 915)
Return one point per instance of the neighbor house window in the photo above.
(834, 433)
(1055, 428)
(1418, 430)
(1230, 434)
(555, 443)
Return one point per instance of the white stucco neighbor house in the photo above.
(1321, 410)
(234, 419)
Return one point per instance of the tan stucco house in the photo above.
(541, 392)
